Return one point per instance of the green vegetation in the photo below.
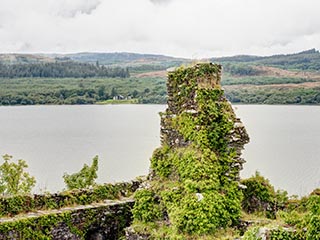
(241, 69)
(66, 224)
(85, 178)
(192, 185)
(260, 196)
(13, 205)
(125, 101)
(83, 78)
(298, 220)
(193, 192)
(294, 219)
(30, 91)
(306, 60)
(13, 177)
(136, 62)
(263, 80)
(278, 79)
(273, 95)
(60, 70)
(252, 233)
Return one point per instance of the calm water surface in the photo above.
(284, 146)
(58, 139)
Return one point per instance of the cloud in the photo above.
(187, 28)
(73, 7)
(160, 1)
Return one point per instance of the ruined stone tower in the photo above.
(182, 98)
(193, 186)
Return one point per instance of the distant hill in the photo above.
(306, 60)
(278, 79)
(120, 58)
(15, 58)
(137, 62)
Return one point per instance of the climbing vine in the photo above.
(193, 185)
(10, 206)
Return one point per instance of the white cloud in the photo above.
(189, 28)
(71, 8)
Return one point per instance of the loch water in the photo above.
(284, 142)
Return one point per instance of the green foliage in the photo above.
(146, 207)
(216, 119)
(313, 232)
(259, 195)
(195, 216)
(245, 83)
(281, 199)
(134, 60)
(160, 162)
(292, 218)
(251, 234)
(90, 85)
(286, 234)
(13, 178)
(193, 185)
(240, 69)
(262, 80)
(84, 178)
(314, 204)
(79, 224)
(273, 95)
(64, 69)
(304, 220)
(306, 60)
(30, 91)
(13, 205)
(313, 227)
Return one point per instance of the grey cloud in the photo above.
(70, 9)
(183, 28)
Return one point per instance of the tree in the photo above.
(114, 92)
(84, 178)
(13, 179)
(102, 92)
(135, 93)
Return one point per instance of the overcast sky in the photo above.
(183, 28)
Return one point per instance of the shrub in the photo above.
(84, 178)
(13, 178)
(146, 207)
(259, 195)
(313, 227)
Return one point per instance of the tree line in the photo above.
(30, 91)
(65, 69)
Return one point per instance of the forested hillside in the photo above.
(60, 70)
(306, 60)
(86, 78)
(278, 79)
(136, 62)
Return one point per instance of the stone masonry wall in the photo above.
(193, 186)
(97, 221)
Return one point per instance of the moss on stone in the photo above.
(194, 174)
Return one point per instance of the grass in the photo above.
(125, 101)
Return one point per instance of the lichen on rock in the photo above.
(194, 175)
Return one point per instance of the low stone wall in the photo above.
(13, 205)
(97, 221)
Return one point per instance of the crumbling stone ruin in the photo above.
(193, 185)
